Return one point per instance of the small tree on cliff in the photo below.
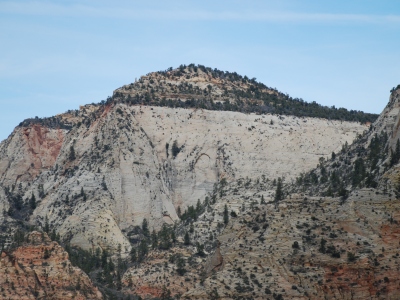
(71, 153)
(175, 149)
(187, 239)
(145, 228)
(180, 266)
(226, 215)
(133, 255)
(143, 250)
(179, 212)
(154, 240)
(32, 201)
(279, 191)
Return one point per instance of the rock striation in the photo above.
(40, 269)
(123, 167)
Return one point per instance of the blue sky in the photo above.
(57, 55)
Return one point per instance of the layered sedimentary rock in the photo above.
(136, 162)
(40, 269)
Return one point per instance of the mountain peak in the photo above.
(203, 87)
(197, 82)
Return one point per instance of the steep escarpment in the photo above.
(40, 268)
(137, 162)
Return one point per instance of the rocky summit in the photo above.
(200, 184)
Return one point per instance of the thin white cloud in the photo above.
(78, 10)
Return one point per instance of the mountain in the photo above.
(170, 187)
(300, 245)
(99, 171)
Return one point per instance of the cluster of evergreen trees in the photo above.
(99, 264)
(19, 207)
(162, 240)
(253, 100)
(248, 103)
(356, 166)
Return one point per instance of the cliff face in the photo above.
(41, 269)
(28, 152)
(135, 162)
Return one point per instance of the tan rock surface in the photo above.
(127, 144)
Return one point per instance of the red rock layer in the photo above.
(41, 270)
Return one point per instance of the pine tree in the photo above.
(165, 237)
(46, 225)
(180, 266)
(175, 149)
(343, 193)
(83, 195)
(333, 156)
(18, 202)
(72, 153)
(179, 212)
(198, 206)
(187, 239)
(154, 240)
(145, 228)
(32, 201)
(279, 191)
(103, 183)
(143, 250)
(133, 255)
(226, 215)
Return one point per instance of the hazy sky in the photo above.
(57, 55)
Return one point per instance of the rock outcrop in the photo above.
(40, 269)
(123, 167)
